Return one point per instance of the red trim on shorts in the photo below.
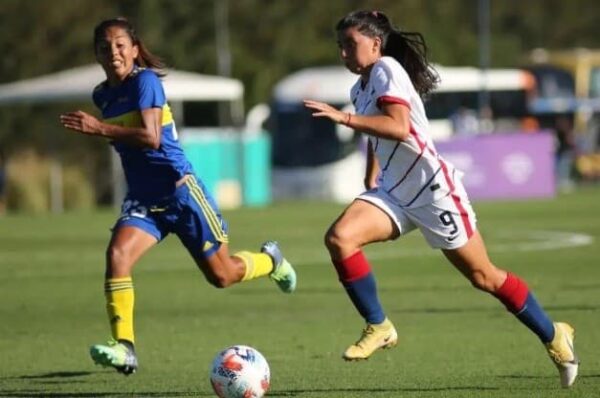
(464, 215)
(513, 293)
(388, 99)
(352, 268)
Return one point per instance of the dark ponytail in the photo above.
(408, 48)
(145, 59)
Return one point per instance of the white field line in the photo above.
(525, 241)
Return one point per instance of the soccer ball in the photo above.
(240, 371)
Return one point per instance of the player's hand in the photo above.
(370, 183)
(81, 122)
(321, 109)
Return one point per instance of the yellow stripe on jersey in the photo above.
(167, 115)
(209, 214)
(134, 118)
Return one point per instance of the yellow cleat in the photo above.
(562, 353)
(373, 337)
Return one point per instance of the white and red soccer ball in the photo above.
(240, 372)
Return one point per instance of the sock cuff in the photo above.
(513, 293)
(115, 284)
(353, 267)
(246, 258)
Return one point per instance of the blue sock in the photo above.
(534, 317)
(363, 293)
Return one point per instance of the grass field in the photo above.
(454, 341)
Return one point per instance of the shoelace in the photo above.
(556, 354)
(368, 331)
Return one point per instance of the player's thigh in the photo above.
(127, 245)
(200, 225)
(362, 223)
(388, 213)
(135, 231)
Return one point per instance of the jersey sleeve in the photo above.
(391, 83)
(97, 95)
(149, 90)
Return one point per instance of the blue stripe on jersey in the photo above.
(150, 173)
(407, 172)
(423, 188)
(387, 164)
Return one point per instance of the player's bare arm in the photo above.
(147, 136)
(392, 124)
(372, 169)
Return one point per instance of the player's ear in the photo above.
(377, 45)
(136, 51)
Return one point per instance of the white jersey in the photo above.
(411, 171)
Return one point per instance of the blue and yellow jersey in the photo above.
(150, 173)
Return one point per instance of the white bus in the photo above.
(316, 150)
(509, 93)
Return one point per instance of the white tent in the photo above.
(332, 83)
(325, 83)
(77, 84)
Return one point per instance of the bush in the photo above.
(28, 184)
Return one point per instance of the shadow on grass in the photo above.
(293, 393)
(38, 390)
(282, 393)
(53, 375)
(33, 394)
(38, 385)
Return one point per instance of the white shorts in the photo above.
(447, 223)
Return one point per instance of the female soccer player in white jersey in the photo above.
(409, 185)
(164, 196)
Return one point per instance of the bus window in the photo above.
(509, 92)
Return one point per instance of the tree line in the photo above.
(268, 39)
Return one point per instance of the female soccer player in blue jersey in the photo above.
(163, 196)
(409, 185)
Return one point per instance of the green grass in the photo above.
(454, 341)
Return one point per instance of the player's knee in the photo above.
(117, 259)
(337, 239)
(482, 281)
(220, 281)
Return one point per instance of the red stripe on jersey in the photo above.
(414, 134)
(388, 99)
(461, 210)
